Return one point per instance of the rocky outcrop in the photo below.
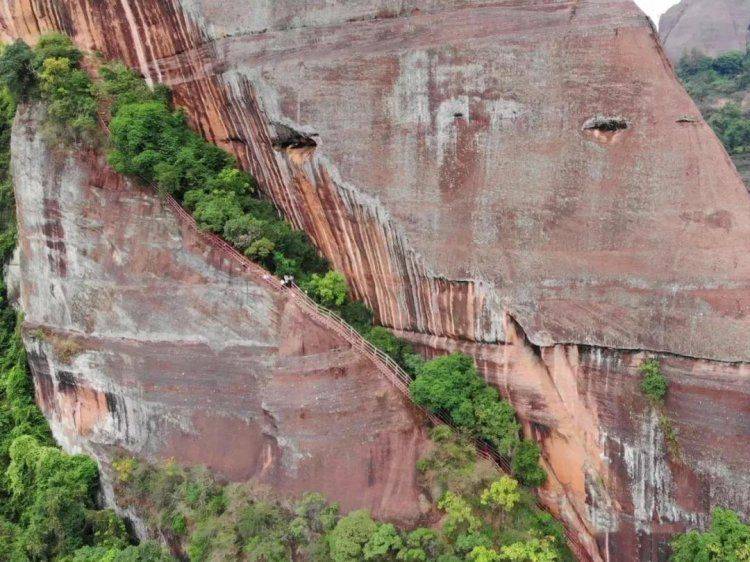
(145, 339)
(513, 179)
(710, 26)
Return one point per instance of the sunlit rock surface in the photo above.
(144, 339)
(517, 180)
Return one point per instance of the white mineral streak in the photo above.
(651, 484)
(135, 35)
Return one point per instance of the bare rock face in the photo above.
(143, 338)
(710, 26)
(516, 180)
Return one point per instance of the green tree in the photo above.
(122, 86)
(727, 539)
(694, 63)
(533, 550)
(51, 492)
(451, 384)
(145, 135)
(320, 516)
(55, 46)
(484, 554)
(729, 64)
(216, 209)
(384, 544)
(17, 70)
(232, 180)
(357, 315)
(330, 290)
(460, 517)
(348, 539)
(397, 348)
(420, 545)
(71, 106)
(526, 464)
(502, 493)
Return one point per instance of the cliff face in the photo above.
(711, 26)
(144, 338)
(462, 181)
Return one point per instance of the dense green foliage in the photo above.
(486, 512)
(17, 71)
(48, 499)
(451, 385)
(654, 384)
(726, 540)
(152, 141)
(399, 350)
(719, 86)
(52, 72)
(213, 521)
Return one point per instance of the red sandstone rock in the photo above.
(710, 26)
(144, 338)
(456, 184)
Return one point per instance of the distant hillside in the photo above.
(713, 26)
(721, 88)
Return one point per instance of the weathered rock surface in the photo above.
(710, 26)
(455, 181)
(143, 338)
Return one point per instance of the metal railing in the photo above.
(385, 364)
(397, 376)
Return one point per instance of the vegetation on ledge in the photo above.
(485, 516)
(48, 499)
(654, 384)
(727, 539)
(485, 519)
(152, 141)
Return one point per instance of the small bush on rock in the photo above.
(654, 384)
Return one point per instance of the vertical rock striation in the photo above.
(145, 339)
(511, 179)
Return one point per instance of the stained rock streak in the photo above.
(453, 183)
(153, 341)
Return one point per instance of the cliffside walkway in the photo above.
(383, 362)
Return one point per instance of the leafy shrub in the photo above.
(654, 384)
(52, 70)
(348, 539)
(526, 464)
(728, 538)
(121, 86)
(729, 64)
(384, 544)
(459, 516)
(358, 315)
(451, 384)
(215, 209)
(17, 70)
(55, 46)
(719, 85)
(502, 493)
(51, 492)
(330, 290)
(421, 545)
